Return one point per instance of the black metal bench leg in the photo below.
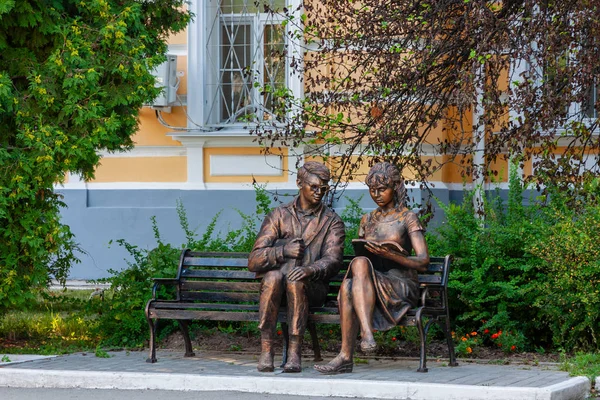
(152, 325)
(286, 339)
(312, 328)
(451, 354)
(184, 326)
(423, 337)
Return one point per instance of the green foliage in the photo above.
(49, 331)
(121, 320)
(351, 215)
(494, 280)
(531, 272)
(587, 364)
(73, 76)
(101, 353)
(570, 260)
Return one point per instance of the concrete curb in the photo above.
(574, 388)
(20, 358)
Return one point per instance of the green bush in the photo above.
(121, 319)
(531, 272)
(569, 250)
(494, 282)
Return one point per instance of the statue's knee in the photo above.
(272, 283)
(361, 267)
(295, 286)
(345, 290)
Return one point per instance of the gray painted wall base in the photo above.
(99, 217)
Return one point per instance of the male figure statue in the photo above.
(299, 247)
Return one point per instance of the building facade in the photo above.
(196, 147)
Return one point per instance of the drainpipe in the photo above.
(479, 153)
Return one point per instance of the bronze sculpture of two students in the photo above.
(300, 246)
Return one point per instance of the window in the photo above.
(590, 109)
(246, 52)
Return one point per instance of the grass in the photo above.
(55, 324)
(582, 364)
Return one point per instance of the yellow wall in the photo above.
(152, 133)
(142, 169)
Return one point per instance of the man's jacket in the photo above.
(323, 237)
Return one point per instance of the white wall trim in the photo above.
(180, 50)
(74, 184)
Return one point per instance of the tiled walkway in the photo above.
(377, 378)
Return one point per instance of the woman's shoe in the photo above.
(368, 347)
(329, 369)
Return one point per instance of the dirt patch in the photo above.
(215, 340)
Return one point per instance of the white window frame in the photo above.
(198, 99)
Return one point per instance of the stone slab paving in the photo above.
(378, 378)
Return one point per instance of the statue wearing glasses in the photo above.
(299, 247)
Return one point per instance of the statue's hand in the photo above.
(299, 273)
(294, 249)
(379, 250)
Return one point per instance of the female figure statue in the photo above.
(379, 289)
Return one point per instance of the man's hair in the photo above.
(313, 168)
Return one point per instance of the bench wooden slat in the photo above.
(224, 286)
(432, 268)
(216, 262)
(234, 297)
(207, 254)
(434, 279)
(217, 274)
(204, 306)
(218, 315)
(225, 307)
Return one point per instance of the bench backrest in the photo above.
(224, 277)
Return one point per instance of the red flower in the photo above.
(279, 332)
(486, 331)
(473, 333)
(499, 344)
(394, 339)
(513, 347)
(495, 336)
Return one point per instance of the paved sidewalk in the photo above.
(379, 378)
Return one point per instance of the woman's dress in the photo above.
(397, 287)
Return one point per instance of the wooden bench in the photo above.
(219, 287)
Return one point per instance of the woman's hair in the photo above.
(387, 174)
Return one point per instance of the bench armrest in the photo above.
(163, 282)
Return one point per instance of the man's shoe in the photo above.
(294, 363)
(265, 361)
